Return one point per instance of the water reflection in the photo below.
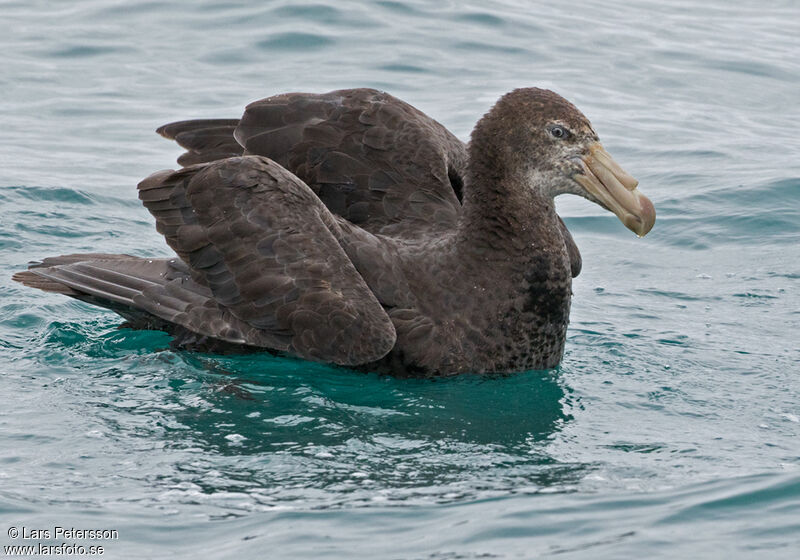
(501, 411)
(248, 432)
(273, 430)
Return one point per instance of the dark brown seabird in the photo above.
(351, 228)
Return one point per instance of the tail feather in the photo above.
(80, 279)
(78, 257)
(33, 280)
(149, 293)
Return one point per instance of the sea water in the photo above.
(671, 429)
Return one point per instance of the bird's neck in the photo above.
(511, 265)
(505, 210)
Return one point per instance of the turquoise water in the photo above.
(672, 428)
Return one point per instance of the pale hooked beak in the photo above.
(604, 179)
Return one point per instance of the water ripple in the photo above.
(295, 41)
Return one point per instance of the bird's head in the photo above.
(549, 143)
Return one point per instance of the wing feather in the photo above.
(266, 247)
(370, 157)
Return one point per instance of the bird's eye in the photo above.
(559, 131)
